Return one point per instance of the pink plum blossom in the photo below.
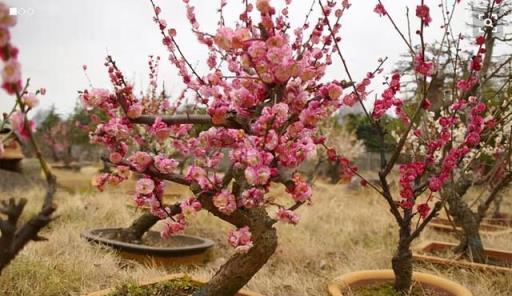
(225, 202)
(287, 216)
(190, 206)
(165, 165)
(17, 120)
(140, 160)
(171, 228)
(135, 110)
(240, 239)
(30, 100)
(252, 198)
(144, 186)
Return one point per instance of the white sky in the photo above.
(62, 35)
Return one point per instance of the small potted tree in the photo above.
(434, 160)
(259, 105)
(488, 166)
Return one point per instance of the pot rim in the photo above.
(347, 279)
(203, 245)
(419, 249)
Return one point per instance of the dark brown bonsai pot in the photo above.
(179, 249)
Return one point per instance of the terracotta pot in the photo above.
(105, 292)
(192, 249)
(444, 225)
(500, 219)
(361, 278)
(424, 252)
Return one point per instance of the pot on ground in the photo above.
(444, 225)
(426, 252)
(170, 277)
(179, 249)
(499, 219)
(342, 285)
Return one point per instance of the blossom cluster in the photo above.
(264, 106)
(388, 99)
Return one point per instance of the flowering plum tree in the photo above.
(14, 237)
(488, 164)
(437, 155)
(264, 97)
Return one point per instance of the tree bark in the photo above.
(402, 259)
(470, 242)
(143, 224)
(240, 268)
(139, 227)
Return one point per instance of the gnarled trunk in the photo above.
(470, 242)
(143, 224)
(239, 270)
(402, 259)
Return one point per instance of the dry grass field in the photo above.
(344, 230)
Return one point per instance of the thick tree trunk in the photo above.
(470, 242)
(497, 206)
(402, 260)
(239, 270)
(143, 224)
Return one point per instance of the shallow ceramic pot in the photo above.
(105, 292)
(423, 252)
(193, 250)
(344, 283)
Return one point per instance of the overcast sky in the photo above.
(62, 35)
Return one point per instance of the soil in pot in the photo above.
(386, 289)
(151, 249)
(151, 238)
(183, 286)
(176, 287)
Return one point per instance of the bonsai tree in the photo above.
(489, 165)
(260, 104)
(436, 159)
(14, 236)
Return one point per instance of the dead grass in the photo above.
(342, 231)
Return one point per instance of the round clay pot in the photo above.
(365, 277)
(188, 250)
(105, 292)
